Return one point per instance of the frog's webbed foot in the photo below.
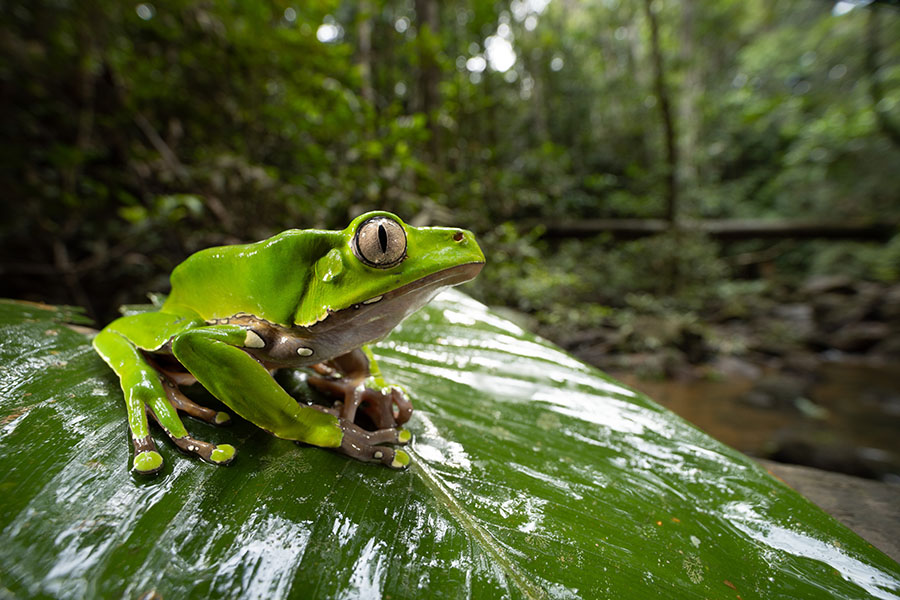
(384, 408)
(220, 454)
(147, 459)
(382, 411)
(366, 445)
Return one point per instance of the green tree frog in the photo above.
(303, 298)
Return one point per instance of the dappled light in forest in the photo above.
(145, 11)
(329, 31)
(476, 64)
(842, 7)
(500, 52)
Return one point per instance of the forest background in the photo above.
(610, 156)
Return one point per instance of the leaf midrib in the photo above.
(528, 588)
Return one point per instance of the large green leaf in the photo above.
(534, 476)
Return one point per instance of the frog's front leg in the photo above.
(346, 377)
(215, 355)
(145, 392)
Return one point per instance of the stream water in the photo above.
(846, 420)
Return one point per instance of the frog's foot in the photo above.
(188, 406)
(221, 454)
(147, 461)
(364, 445)
(385, 408)
(392, 405)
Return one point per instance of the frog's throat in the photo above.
(368, 321)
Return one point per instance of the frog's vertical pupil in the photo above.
(380, 242)
(382, 238)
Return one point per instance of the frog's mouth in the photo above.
(372, 319)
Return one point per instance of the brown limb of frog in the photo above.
(345, 377)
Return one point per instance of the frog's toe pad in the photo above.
(400, 461)
(403, 436)
(222, 418)
(223, 454)
(148, 462)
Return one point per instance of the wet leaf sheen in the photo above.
(534, 476)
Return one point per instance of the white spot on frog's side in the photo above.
(378, 454)
(373, 300)
(253, 340)
(695, 541)
(304, 351)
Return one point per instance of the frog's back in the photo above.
(266, 278)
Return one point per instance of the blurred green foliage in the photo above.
(854, 259)
(135, 133)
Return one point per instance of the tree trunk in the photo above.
(888, 127)
(429, 75)
(367, 89)
(689, 114)
(541, 131)
(364, 45)
(665, 112)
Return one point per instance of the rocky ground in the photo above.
(822, 357)
(794, 329)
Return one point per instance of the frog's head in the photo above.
(379, 270)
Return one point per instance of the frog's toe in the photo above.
(186, 405)
(394, 459)
(364, 445)
(400, 461)
(403, 436)
(364, 437)
(223, 454)
(402, 408)
(148, 462)
(218, 455)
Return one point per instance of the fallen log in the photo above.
(725, 229)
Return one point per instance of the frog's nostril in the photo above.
(458, 237)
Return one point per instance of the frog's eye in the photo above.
(380, 242)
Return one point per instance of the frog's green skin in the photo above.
(301, 298)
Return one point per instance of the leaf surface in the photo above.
(533, 476)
